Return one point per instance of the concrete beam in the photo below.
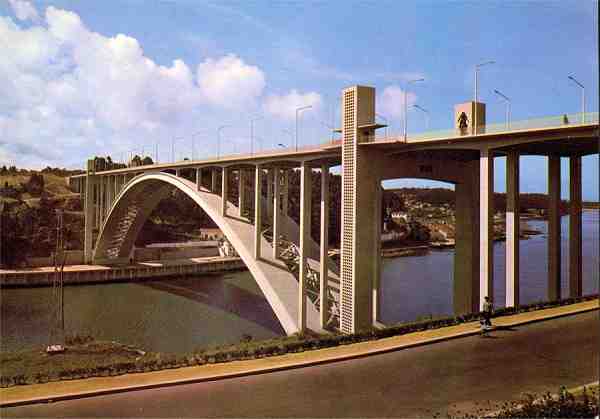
(486, 216)
(89, 216)
(305, 226)
(276, 211)
(257, 210)
(224, 190)
(213, 180)
(466, 254)
(242, 191)
(554, 254)
(285, 194)
(377, 254)
(512, 229)
(270, 192)
(324, 250)
(575, 228)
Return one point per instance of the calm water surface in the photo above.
(179, 315)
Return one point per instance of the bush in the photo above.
(565, 405)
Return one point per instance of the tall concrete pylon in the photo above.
(360, 183)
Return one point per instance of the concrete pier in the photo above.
(512, 229)
(554, 253)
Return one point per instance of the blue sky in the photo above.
(78, 78)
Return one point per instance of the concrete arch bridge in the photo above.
(307, 290)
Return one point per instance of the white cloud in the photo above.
(285, 106)
(67, 92)
(390, 102)
(24, 10)
(229, 82)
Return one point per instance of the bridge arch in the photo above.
(142, 194)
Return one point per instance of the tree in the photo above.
(35, 184)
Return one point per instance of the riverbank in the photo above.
(141, 271)
(288, 356)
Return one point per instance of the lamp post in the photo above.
(406, 104)
(425, 111)
(386, 124)
(219, 137)
(194, 142)
(173, 139)
(252, 120)
(582, 98)
(474, 124)
(298, 110)
(507, 100)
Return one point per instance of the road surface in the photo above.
(448, 376)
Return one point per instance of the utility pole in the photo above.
(58, 289)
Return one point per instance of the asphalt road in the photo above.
(449, 376)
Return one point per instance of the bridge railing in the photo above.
(573, 119)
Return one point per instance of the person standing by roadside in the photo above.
(488, 308)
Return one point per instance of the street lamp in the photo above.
(425, 111)
(476, 87)
(507, 100)
(300, 109)
(173, 139)
(386, 125)
(194, 142)
(219, 137)
(582, 98)
(405, 103)
(252, 120)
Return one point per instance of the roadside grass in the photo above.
(80, 360)
(85, 357)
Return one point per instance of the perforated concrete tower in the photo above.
(359, 215)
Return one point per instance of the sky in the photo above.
(84, 78)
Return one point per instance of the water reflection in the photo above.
(179, 315)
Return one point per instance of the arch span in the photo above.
(141, 195)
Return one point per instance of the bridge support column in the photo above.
(116, 186)
(242, 191)
(486, 239)
(512, 229)
(575, 228)
(360, 183)
(198, 178)
(257, 209)
(213, 180)
(276, 211)
(270, 193)
(324, 257)
(285, 195)
(305, 226)
(224, 190)
(377, 254)
(102, 200)
(89, 212)
(466, 254)
(554, 254)
(178, 172)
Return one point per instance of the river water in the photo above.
(179, 315)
